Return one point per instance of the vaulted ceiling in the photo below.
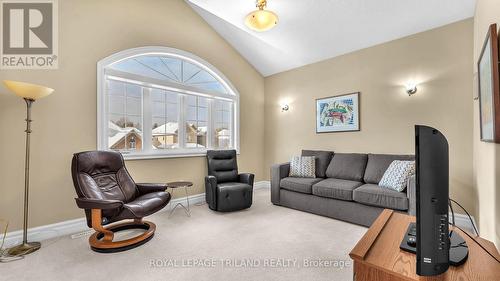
(313, 30)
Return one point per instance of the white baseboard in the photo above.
(76, 226)
(45, 232)
(262, 184)
(463, 221)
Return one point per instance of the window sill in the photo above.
(165, 156)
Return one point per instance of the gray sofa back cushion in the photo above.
(378, 164)
(323, 158)
(347, 166)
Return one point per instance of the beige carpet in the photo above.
(265, 242)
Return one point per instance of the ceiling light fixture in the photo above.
(411, 88)
(261, 20)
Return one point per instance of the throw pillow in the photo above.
(397, 175)
(323, 158)
(302, 167)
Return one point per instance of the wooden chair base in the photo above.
(102, 240)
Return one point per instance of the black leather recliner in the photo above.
(226, 190)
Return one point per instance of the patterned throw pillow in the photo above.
(397, 175)
(303, 167)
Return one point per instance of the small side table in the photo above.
(185, 185)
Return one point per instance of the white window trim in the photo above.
(102, 72)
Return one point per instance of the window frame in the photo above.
(102, 107)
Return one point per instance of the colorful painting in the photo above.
(337, 114)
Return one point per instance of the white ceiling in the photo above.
(313, 30)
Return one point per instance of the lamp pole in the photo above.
(26, 248)
(29, 92)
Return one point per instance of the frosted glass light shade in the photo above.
(27, 90)
(261, 20)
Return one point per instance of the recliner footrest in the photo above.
(233, 196)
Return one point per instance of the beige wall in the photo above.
(440, 60)
(486, 155)
(66, 121)
(91, 30)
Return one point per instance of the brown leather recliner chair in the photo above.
(108, 194)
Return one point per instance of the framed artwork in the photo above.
(338, 113)
(489, 94)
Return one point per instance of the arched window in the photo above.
(158, 102)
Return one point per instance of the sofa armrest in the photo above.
(88, 204)
(278, 172)
(211, 192)
(246, 178)
(411, 193)
(145, 188)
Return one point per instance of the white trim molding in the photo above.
(78, 227)
(104, 73)
(463, 221)
(262, 184)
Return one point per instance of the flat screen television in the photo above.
(432, 189)
(436, 247)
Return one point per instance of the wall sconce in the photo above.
(411, 88)
(284, 107)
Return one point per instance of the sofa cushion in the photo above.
(335, 188)
(323, 158)
(378, 164)
(347, 166)
(303, 185)
(372, 194)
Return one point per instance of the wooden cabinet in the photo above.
(377, 255)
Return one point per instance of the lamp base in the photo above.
(24, 249)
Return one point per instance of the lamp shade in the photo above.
(27, 90)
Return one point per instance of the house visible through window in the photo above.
(160, 102)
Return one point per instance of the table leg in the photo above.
(186, 210)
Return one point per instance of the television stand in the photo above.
(377, 256)
(458, 247)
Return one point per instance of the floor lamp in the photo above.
(30, 93)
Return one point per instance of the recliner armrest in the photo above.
(278, 172)
(87, 203)
(212, 180)
(211, 192)
(145, 188)
(246, 178)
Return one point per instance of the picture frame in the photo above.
(338, 113)
(489, 88)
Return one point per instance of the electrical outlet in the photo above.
(82, 234)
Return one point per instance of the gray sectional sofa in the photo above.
(345, 187)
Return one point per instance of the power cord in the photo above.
(466, 233)
(473, 239)
(4, 256)
(452, 213)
